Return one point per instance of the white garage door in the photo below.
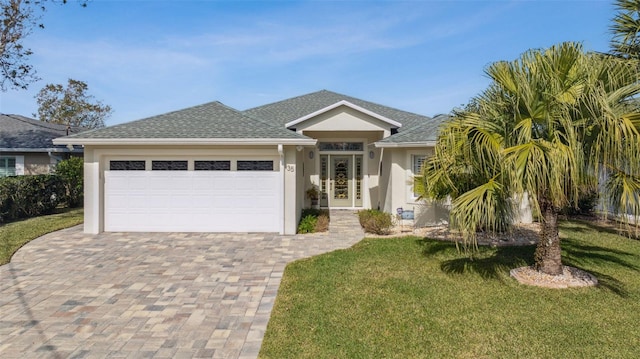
(193, 201)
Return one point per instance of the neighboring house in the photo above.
(26, 146)
(212, 168)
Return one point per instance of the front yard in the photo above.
(419, 298)
(16, 234)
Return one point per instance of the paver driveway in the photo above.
(162, 295)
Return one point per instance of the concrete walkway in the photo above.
(150, 295)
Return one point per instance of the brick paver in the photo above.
(150, 295)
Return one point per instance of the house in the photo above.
(26, 146)
(211, 168)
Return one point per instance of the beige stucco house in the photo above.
(211, 168)
(26, 146)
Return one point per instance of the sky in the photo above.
(145, 58)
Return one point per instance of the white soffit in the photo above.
(348, 104)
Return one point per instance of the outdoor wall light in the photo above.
(372, 154)
(310, 155)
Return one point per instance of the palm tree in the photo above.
(626, 29)
(551, 125)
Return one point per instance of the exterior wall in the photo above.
(397, 163)
(96, 159)
(93, 192)
(343, 118)
(291, 204)
(38, 163)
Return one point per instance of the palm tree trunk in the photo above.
(548, 258)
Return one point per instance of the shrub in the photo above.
(587, 203)
(307, 224)
(315, 212)
(71, 172)
(29, 196)
(322, 225)
(314, 220)
(375, 221)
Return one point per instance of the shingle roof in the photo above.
(217, 122)
(23, 134)
(208, 121)
(294, 108)
(421, 132)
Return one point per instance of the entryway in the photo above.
(341, 180)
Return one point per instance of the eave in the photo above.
(405, 144)
(40, 150)
(184, 141)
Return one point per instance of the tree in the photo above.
(71, 106)
(552, 124)
(626, 29)
(18, 18)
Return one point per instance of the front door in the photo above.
(340, 186)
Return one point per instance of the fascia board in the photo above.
(183, 141)
(348, 104)
(405, 144)
(39, 150)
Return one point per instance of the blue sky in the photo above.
(149, 57)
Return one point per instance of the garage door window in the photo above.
(169, 165)
(255, 165)
(212, 165)
(126, 165)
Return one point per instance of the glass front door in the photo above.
(341, 180)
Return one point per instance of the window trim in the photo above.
(412, 174)
(18, 166)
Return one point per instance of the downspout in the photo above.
(282, 202)
(380, 175)
(53, 160)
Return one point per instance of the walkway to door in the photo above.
(161, 295)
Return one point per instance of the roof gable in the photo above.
(384, 119)
(285, 111)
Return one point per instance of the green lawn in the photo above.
(418, 298)
(16, 234)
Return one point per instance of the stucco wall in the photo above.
(37, 163)
(343, 119)
(399, 187)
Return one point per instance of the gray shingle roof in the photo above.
(294, 108)
(23, 134)
(420, 132)
(208, 121)
(284, 111)
(216, 121)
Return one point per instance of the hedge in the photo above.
(29, 196)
